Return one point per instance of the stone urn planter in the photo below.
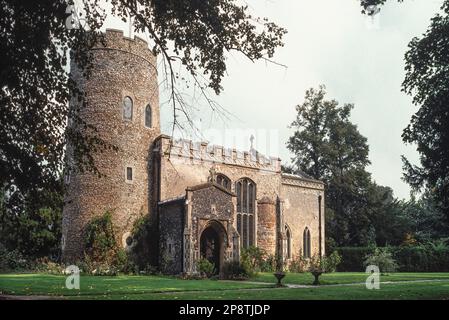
(317, 275)
(279, 276)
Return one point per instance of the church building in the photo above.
(202, 200)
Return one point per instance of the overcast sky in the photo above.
(328, 42)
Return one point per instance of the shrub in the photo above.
(298, 264)
(124, 263)
(382, 258)
(149, 269)
(100, 243)
(427, 257)
(46, 265)
(97, 268)
(12, 260)
(411, 259)
(331, 262)
(268, 263)
(352, 258)
(234, 270)
(252, 258)
(206, 268)
(142, 234)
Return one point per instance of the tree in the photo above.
(388, 216)
(33, 229)
(327, 146)
(35, 86)
(425, 221)
(427, 81)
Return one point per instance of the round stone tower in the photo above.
(123, 105)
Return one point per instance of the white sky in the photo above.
(328, 42)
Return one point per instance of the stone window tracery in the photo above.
(224, 181)
(246, 197)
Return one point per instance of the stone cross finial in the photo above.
(252, 141)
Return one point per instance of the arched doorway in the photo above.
(210, 247)
(212, 244)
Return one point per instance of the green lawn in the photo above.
(348, 277)
(399, 291)
(335, 286)
(54, 285)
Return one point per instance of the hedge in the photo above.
(409, 259)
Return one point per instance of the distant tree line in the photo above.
(359, 212)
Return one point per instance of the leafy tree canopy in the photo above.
(427, 79)
(35, 88)
(327, 146)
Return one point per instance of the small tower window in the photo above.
(67, 177)
(129, 174)
(127, 108)
(63, 242)
(148, 116)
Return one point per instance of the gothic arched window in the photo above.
(148, 116)
(306, 243)
(127, 108)
(288, 242)
(246, 197)
(224, 181)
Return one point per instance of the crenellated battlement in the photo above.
(205, 152)
(116, 40)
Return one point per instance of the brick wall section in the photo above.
(123, 67)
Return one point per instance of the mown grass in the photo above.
(395, 291)
(335, 286)
(348, 277)
(54, 285)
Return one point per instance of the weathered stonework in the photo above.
(301, 209)
(174, 181)
(266, 225)
(122, 67)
